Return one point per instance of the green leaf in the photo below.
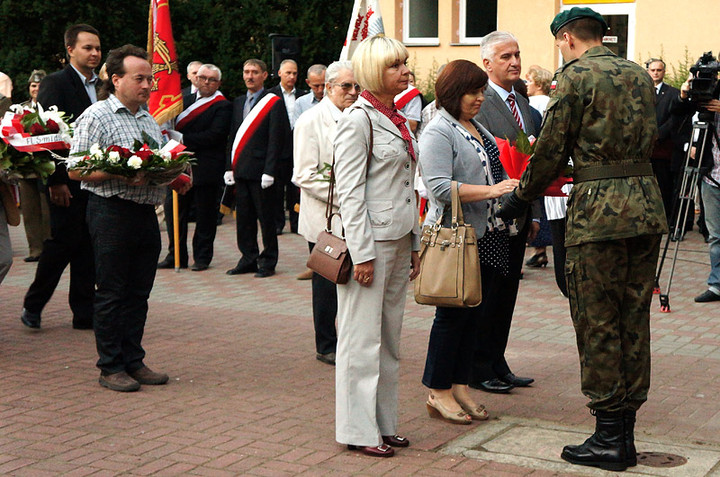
(152, 143)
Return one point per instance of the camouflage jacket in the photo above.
(601, 112)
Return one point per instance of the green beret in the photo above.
(575, 13)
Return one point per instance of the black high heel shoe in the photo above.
(538, 260)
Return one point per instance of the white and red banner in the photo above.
(13, 133)
(250, 124)
(196, 109)
(165, 95)
(365, 21)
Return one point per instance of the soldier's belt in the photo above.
(612, 171)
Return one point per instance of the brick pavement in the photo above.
(247, 397)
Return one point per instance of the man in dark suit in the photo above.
(287, 91)
(72, 90)
(257, 140)
(667, 128)
(504, 113)
(204, 125)
(192, 72)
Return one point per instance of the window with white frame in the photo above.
(477, 19)
(420, 22)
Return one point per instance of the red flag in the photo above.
(165, 95)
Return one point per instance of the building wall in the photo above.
(662, 28)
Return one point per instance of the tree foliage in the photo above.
(223, 32)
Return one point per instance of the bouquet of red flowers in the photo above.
(27, 134)
(515, 157)
(160, 166)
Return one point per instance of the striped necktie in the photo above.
(513, 109)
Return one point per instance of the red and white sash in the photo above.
(250, 124)
(196, 109)
(402, 99)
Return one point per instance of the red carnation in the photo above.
(124, 153)
(36, 129)
(52, 126)
(144, 154)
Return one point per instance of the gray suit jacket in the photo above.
(497, 118)
(377, 202)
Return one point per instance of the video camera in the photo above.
(704, 85)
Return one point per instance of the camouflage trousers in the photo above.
(610, 287)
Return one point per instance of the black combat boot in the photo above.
(604, 449)
(629, 430)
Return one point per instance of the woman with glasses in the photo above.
(375, 158)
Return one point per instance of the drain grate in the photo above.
(660, 459)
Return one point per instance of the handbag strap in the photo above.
(458, 218)
(331, 191)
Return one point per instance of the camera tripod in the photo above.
(704, 130)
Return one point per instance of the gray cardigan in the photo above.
(446, 156)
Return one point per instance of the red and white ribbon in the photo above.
(196, 109)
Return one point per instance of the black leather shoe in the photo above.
(31, 259)
(169, 263)
(30, 319)
(327, 358)
(264, 273)
(707, 297)
(200, 267)
(517, 381)
(493, 386)
(242, 268)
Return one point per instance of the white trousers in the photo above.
(368, 349)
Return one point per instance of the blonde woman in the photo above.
(379, 213)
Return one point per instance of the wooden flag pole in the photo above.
(176, 229)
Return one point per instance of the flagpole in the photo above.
(176, 229)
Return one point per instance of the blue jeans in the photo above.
(711, 200)
(126, 241)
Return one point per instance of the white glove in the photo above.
(420, 187)
(176, 135)
(229, 178)
(266, 181)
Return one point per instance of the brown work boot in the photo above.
(121, 382)
(146, 375)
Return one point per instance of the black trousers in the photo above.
(288, 196)
(324, 306)
(254, 204)
(204, 200)
(69, 244)
(126, 240)
(496, 310)
(451, 346)
(661, 169)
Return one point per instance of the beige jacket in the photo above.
(377, 203)
(312, 149)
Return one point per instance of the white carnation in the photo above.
(114, 157)
(135, 162)
(95, 151)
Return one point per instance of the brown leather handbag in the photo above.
(330, 256)
(449, 262)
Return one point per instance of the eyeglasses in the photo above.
(348, 86)
(204, 79)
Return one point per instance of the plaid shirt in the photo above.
(107, 123)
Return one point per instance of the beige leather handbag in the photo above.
(449, 262)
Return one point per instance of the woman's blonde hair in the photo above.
(371, 59)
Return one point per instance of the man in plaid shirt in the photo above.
(122, 222)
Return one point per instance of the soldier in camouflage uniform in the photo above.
(602, 114)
